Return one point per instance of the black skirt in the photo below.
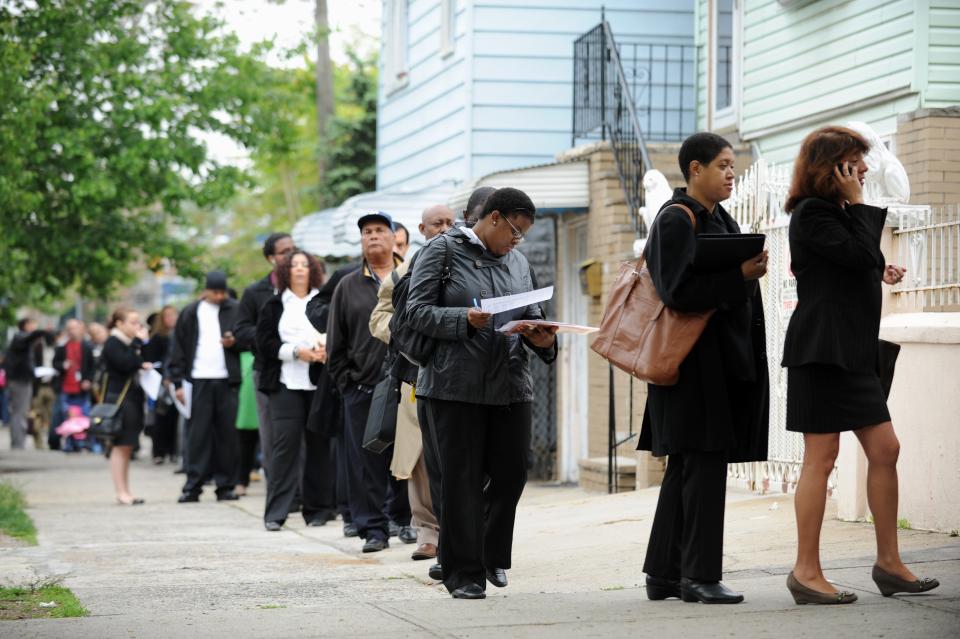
(131, 415)
(828, 399)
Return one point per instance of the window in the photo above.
(724, 58)
(448, 26)
(395, 46)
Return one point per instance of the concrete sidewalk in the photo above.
(210, 570)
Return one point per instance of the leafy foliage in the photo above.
(102, 107)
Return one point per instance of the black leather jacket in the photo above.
(473, 366)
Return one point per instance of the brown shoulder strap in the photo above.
(693, 220)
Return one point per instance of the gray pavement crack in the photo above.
(410, 619)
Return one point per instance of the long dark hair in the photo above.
(282, 270)
(820, 153)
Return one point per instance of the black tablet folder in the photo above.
(721, 252)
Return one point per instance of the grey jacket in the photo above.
(470, 365)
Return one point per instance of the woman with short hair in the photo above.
(478, 386)
(831, 355)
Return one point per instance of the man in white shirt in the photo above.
(204, 354)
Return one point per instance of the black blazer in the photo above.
(87, 363)
(121, 363)
(183, 345)
(248, 310)
(268, 346)
(836, 259)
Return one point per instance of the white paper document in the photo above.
(519, 300)
(150, 381)
(576, 329)
(44, 371)
(184, 408)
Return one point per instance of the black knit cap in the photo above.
(216, 281)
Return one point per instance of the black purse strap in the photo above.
(123, 393)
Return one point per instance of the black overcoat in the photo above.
(721, 401)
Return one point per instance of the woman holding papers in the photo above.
(477, 386)
(717, 412)
(122, 363)
(831, 355)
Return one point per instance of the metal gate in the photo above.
(540, 250)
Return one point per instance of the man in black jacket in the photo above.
(276, 246)
(354, 361)
(19, 364)
(204, 353)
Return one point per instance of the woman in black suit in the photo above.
(831, 355)
(718, 410)
(122, 363)
(157, 351)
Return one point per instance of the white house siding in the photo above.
(523, 69)
(421, 128)
(943, 79)
(503, 98)
(822, 55)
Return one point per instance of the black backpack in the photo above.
(414, 348)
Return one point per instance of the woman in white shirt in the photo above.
(292, 351)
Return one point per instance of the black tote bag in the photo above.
(381, 428)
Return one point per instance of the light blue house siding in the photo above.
(503, 98)
(831, 61)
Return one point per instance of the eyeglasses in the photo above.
(517, 235)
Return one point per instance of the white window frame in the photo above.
(728, 116)
(397, 29)
(448, 27)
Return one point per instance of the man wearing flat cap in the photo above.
(354, 361)
(205, 353)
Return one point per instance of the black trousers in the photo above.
(340, 459)
(479, 445)
(375, 496)
(247, 455)
(686, 539)
(431, 454)
(165, 433)
(212, 436)
(289, 438)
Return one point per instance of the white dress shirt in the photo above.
(295, 330)
(209, 361)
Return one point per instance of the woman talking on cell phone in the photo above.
(831, 354)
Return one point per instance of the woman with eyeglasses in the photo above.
(477, 385)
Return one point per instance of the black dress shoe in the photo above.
(497, 576)
(272, 526)
(407, 535)
(436, 572)
(375, 545)
(394, 529)
(350, 530)
(470, 591)
(709, 592)
(317, 522)
(187, 498)
(227, 495)
(660, 588)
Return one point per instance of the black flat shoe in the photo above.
(375, 545)
(470, 591)
(272, 526)
(393, 528)
(186, 499)
(227, 495)
(407, 535)
(890, 585)
(708, 592)
(497, 576)
(436, 572)
(660, 588)
(350, 530)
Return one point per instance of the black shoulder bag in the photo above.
(105, 420)
(411, 343)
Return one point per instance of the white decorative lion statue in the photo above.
(886, 178)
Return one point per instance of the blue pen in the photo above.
(475, 305)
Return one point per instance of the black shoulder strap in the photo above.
(447, 259)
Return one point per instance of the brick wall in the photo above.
(928, 145)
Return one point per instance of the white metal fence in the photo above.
(928, 244)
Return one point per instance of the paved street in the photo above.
(210, 570)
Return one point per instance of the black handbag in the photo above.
(381, 428)
(887, 353)
(326, 408)
(105, 420)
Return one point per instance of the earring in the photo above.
(494, 223)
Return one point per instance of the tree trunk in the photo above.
(324, 77)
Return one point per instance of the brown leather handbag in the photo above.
(639, 334)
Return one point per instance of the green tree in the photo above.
(103, 105)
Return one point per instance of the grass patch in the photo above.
(270, 606)
(904, 524)
(14, 520)
(609, 588)
(45, 601)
